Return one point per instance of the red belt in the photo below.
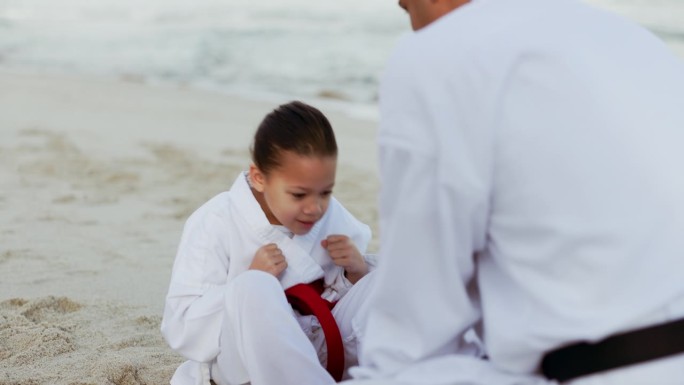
(306, 298)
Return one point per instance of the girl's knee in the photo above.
(252, 280)
(255, 290)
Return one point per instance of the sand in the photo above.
(97, 177)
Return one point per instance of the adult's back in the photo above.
(530, 154)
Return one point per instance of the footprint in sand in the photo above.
(50, 307)
(33, 330)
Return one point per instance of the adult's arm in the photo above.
(435, 174)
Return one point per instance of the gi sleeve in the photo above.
(194, 306)
(434, 167)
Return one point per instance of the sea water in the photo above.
(302, 48)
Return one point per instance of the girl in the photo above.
(277, 227)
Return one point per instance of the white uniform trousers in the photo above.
(262, 342)
(471, 371)
(465, 370)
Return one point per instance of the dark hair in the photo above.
(296, 127)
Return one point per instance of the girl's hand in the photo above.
(343, 253)
(270, 259)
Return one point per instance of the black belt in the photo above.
(613, 352)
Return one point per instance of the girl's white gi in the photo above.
(200, 316)
(531, 156)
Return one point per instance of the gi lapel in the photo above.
(301, 267)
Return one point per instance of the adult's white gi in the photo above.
(530, 157)
(215, 308)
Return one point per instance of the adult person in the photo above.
(530, 155)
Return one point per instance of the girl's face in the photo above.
(296, 194)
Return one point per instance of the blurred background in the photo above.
(303, 48)
(97, 176)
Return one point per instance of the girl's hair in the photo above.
(296, 127)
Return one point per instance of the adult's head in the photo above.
(424, 12)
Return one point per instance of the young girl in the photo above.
(278, 226)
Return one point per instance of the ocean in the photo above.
(301, 48)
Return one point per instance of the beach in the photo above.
(97, 176)
(118, 118)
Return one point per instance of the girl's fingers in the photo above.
(336, 238)
(336, 254)
(339, 246)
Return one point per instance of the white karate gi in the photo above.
(208, 317)
(531, 157)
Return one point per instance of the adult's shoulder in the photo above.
(483, 27)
